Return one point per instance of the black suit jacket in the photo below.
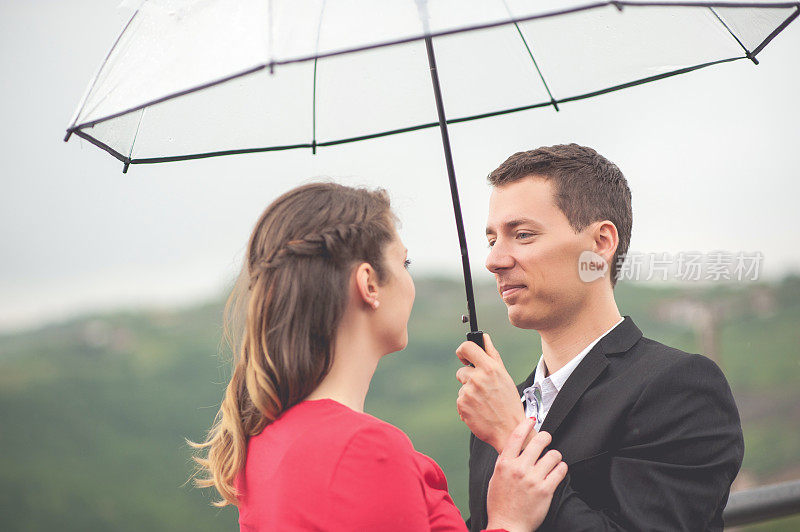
(651, 436)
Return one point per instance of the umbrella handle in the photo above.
(476, 337)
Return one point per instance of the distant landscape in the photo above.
(94, 411)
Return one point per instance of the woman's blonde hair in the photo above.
(283, 312)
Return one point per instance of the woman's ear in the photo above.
(367, 284)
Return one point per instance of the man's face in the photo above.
(534, 254)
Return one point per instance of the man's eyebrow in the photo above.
(511, 224)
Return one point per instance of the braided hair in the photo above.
(282, 316)
(330, 243)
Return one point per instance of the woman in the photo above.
(326, 294)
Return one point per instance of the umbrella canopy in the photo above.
(195, 79)
(189, 79)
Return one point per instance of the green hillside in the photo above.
(94, 411)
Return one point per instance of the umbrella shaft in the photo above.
(451, 174)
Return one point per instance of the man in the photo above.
(651, 435)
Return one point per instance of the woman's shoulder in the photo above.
(328, 438)
(332, 437)
(335, 423)
(362, 428)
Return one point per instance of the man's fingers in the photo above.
(464, 374)
(535, 447)
(490, 348)
(514, 444)
(470, 353)
(460, 353)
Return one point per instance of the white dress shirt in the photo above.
(552, 384)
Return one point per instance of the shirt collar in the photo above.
(560, 377)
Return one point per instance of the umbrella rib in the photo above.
(746, 51)
(314, 112)
(704, 4)
(530, 53)
(314, 91)
(71, 128)
(777, 30)
(135, 135)
(271, 34)
(535, 64)
(97, 76)
(102, 145)
(92, 123)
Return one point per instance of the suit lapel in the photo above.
(618, 340)
(584, 375)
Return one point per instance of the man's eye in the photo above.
(524, 234)
(406, 264)
(491, 243)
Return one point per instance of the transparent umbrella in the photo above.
(190, 79)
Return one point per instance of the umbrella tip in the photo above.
(554, 104)
(68, 135)
(617, 5)
(752, 58)
(125, 167)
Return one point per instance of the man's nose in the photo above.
(499, 258)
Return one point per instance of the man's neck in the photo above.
(565, 341)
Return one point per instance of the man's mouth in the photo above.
(508, 290)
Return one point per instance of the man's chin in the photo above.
(520, 319)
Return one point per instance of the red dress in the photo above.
(323, 466)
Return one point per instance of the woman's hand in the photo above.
(523, 483)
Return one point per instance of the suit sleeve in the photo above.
(681, 448)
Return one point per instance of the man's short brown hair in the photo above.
(587, 188)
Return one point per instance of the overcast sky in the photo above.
(711, 158)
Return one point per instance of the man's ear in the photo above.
(366, 279)
(606, 240)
